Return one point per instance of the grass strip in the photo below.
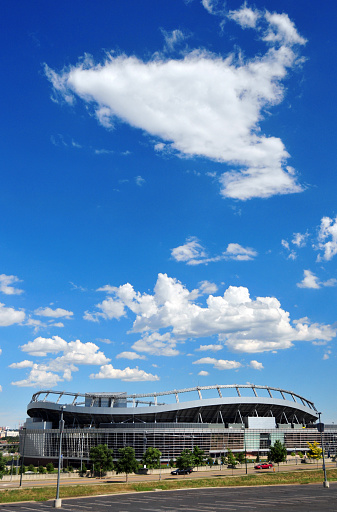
(72, 491)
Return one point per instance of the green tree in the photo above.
(22, 469)
(127, 462)
(2, 466)
(41, 470)
(101, 458)
(315, 451)
(185, 460)
(31, 467)
(231, 459)
(223, 459)
(277, 453)
(198, 456)
(240, 457)
(151, 458)
(171, 463)
(210, 461)
(50, 467)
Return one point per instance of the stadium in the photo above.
(217, 418)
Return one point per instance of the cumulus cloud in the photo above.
(108, 309)
(256, 365)
(40, 347)
(282, 30)
(128, 374)
(193, 253)
(327, 238)
(53, 313)
(243, 324)
(156, 344)
(202, 104)
(213, 348)
(39, 378)
(327, 355)
(245, 16)
(51, 371)
(129, 355)
(219, 364)
(22, 364)
(206, 287)
(203, 373)
(310, 280)
(6, 283)
(300, 239)
(10, 316)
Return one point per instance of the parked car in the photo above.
(182, 471)
(264, 465)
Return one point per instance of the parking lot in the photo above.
(299, 498)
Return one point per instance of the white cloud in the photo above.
(40, 347)
(327, 238)
(241, 323)
(109, 309)
(310, 280)
(47, 372)
(256, 365)
(156, 344)
(203, 373)
(53, 313)
(327, 355)
(219, 364)
(10, 316)
(129, 355)
(300, 239)
(5, 285)
(39, 378)
(193, 253)
(0, 389)
(202, 104)
(245, 16)
(139, 181)
(22, 364)
(213, 348)
(282, 30)
(128, 374)
(173, 38)
(206, 287)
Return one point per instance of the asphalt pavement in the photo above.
(299, 498)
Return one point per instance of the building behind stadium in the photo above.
(242, 418)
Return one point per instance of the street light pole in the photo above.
(325, 483)
(58, 501)
(23, 455)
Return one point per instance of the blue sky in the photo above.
(167, 198)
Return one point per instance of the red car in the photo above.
(264, 465)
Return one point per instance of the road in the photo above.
(155, 477)
(299, 498)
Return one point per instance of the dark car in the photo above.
(264, 465)
(182, 471)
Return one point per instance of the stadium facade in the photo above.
(215, 418)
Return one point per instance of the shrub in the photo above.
(50, 467)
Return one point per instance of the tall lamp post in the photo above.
(321, 429)
(58, 501)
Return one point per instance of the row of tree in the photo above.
(101, 459)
